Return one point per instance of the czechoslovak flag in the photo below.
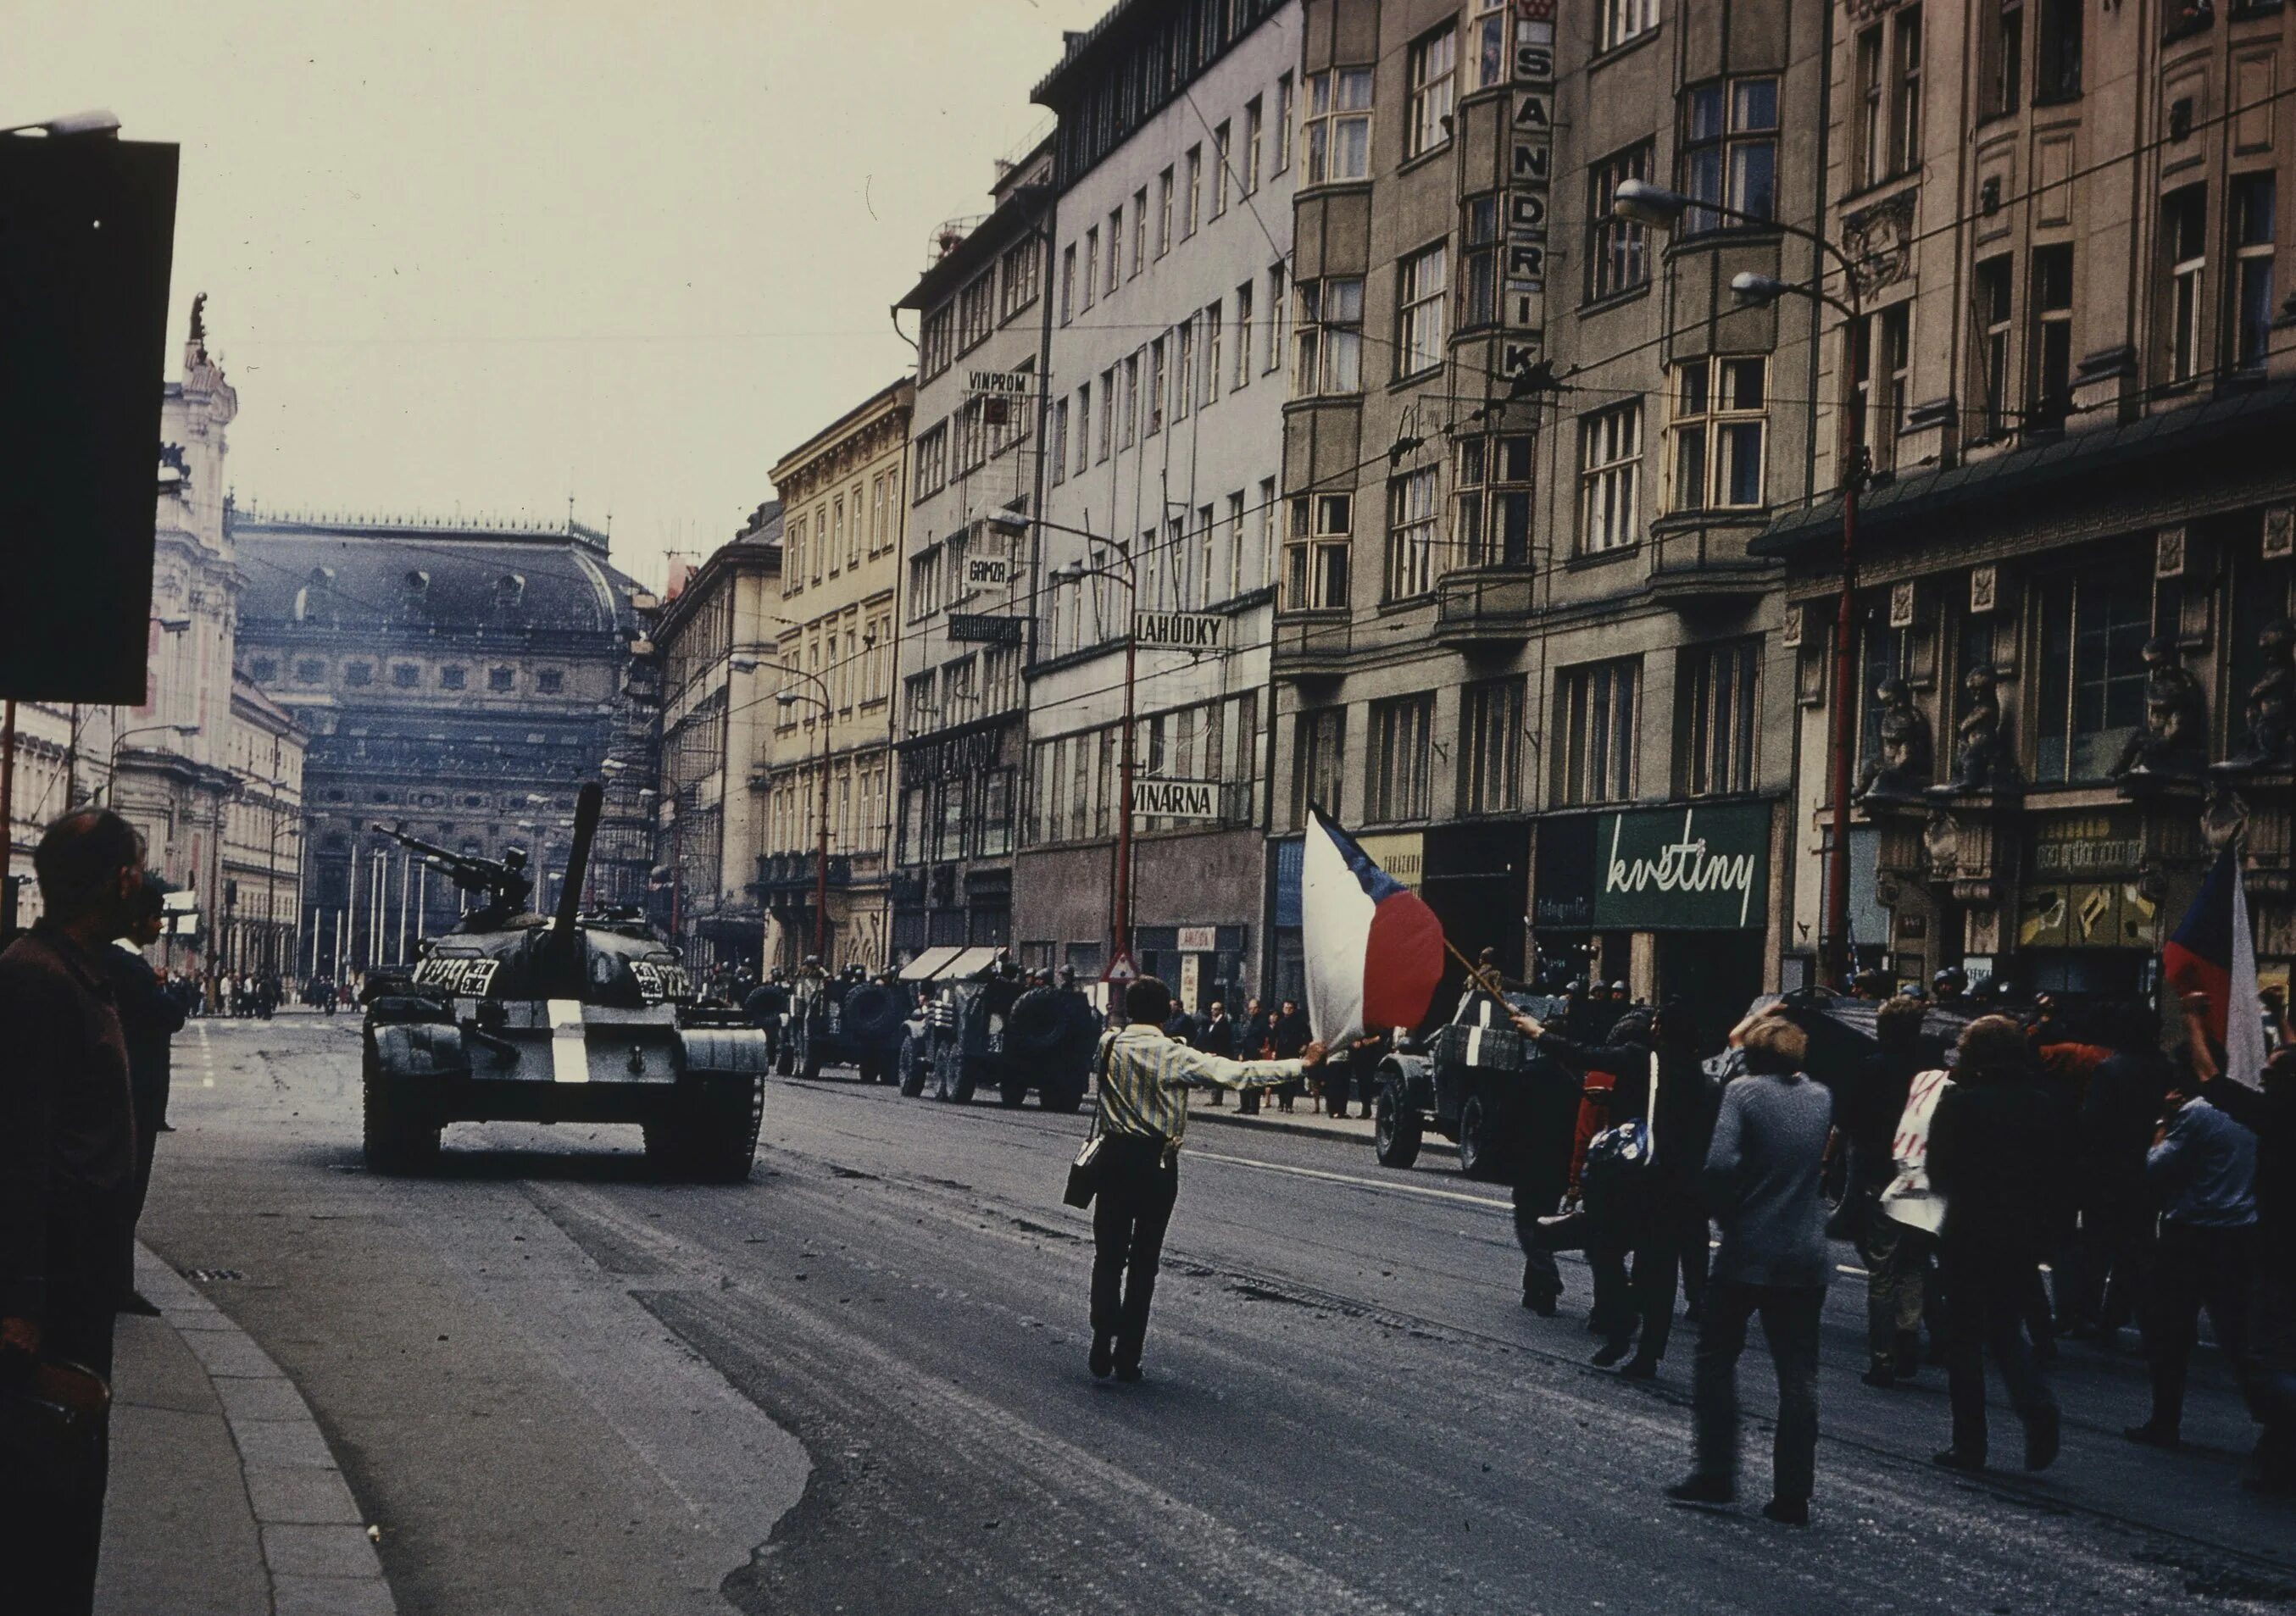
(1374, 952)
(2213, 952)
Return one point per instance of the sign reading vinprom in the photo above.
(1685, 868)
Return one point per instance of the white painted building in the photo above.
(1163, 436)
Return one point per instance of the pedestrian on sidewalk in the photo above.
(1216, 1035)
(1289, 1035)
(67, 1177)
(1999, 1150)
(2202, 1173)
(1255, 1041)
(1143, 1117)
(1896, 1260)
(1761, 1184)
(148, 1019)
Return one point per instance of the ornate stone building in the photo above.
(2074, 564)
(718, 629)
(463, 677)
(844, 498)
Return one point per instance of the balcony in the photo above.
(1485, 608)
(1311, 644)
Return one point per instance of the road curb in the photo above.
(1222, 1116)
(316, 1548)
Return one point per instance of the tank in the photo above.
(574, 1017)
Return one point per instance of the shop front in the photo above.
(953, 846)
(1676, 902)
(1196, 906)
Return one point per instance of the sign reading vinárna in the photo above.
(1180, 630)
(1692, 867)
(1177, 798)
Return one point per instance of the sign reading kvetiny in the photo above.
(1177, 798)
(1180, 630)
(1676, 869)
(987, 628)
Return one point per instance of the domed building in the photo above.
(461, 679)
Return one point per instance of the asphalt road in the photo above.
(857, 1383)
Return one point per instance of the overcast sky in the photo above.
(475, 253)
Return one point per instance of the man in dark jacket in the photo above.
(1997, 1155)
(148, 1019)
(2106, 1260)
(66, 1175)
(1867, 1110)
(1255, 1038)
(1289, 1035)
(1215, 1035)
(1646, 1050)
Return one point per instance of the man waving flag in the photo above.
(1374, 952)
(2214, 952)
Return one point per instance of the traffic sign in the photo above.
(1120, 970)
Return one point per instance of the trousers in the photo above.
(2197, 1269)
(1987, 1295)
(1790, 1316)
(48, 1545)
(1133, 1209)
(1897, 1264)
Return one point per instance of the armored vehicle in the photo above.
(845, 1021)
(1461, 1083)
(574, 1018)
(984, 1025)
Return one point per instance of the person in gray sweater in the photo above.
(1761, 1184)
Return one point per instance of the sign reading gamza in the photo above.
(1177, 798)
(1674, 869)
(986, 627)
(988, 571)
(1181, 630)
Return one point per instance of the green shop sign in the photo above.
(1682, 869)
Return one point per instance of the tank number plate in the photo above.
(658, 983)
(462, 978)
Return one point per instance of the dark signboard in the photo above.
(1673, 869)
(984, 628)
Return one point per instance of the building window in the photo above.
(1091, 278)
(976, 308)
(1423, 289)
(1611, 462)
(1396, 769)
(1213, 318)
(1222, 156)
(1084, 426)
(1255, 135)
(2094, 627)
(310, 670)
(1338, 126)
(1056, 442)
(358, 673)
(1412, 506)
(1023, 270)
(2001, 57)
(1242, 377)
(1730, 151)
(1330, 339)
(1719, 407)
(2053, 336)
(1594, 721)
(1487, 39)
(1274, 315)
(2253, 210)
(1155, 401)
(1184, 378)
(452, 679)
(1989, 301)
(1316, 554)
(549, 681)
(932, 475)
(1285, 101)
(2057, 52)
(1493, 525)
(405, 676)
(1434, 61)
(1129, 427)
(1490, 747)
(1882, 376)
(1906, 90)
(500, 678)
(917, 703)
(2184, 248)
(1616, 21)
(263, 670)
(1717, 715)
(1067, 282)
(937, 340)
(1478, 277)
(1195, 215)
(1140, 231)
(1872, 161)
(1167, 190)
(1620, 260)
(1318, 763)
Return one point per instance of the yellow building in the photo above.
(843, 492)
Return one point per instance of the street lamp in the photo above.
(1654, 207)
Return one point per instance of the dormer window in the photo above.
(510, 589)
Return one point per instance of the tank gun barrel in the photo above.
(588, 805)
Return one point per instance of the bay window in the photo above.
(1337, 126)
(1329, 342)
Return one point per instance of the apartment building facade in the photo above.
(1163, 453)
(1521, 642)
(2074, 569)
(713, 639)
(966, 584)
(844, 499)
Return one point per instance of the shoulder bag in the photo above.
(1084, 1172)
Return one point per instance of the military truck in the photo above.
(574, 1018)
(1461, 1083)
(984, 1025)
(848, 1021)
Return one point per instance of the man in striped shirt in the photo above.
(1144, 1077)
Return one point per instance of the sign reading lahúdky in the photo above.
(1180, 630)
(1177, 798)
(1674, 869)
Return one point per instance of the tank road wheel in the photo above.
(1479, 1137)
(398, 1134)
(709, 1136)
(911, 1067)
(1395, 1128)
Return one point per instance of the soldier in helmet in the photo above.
(1951, 988)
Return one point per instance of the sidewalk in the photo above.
(1357, 1129)
(224, 1499)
